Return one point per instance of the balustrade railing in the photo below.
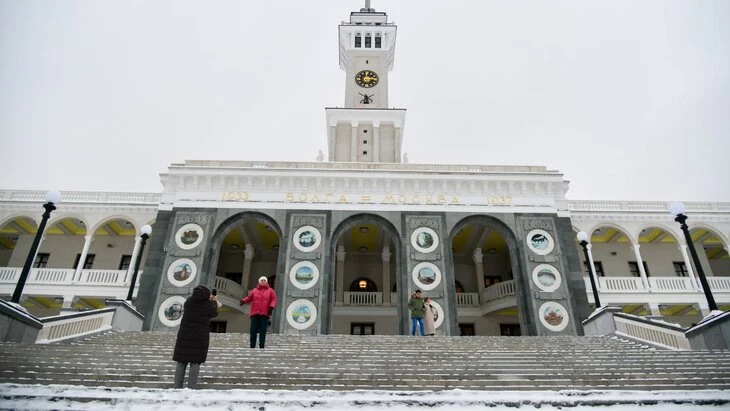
(228, 287)
(644, 330)
(719, 284)
(363, 298)
(499, 290)
(467, 298)
(104, 277)
(671, 284)
(63, 327)
(617, 284)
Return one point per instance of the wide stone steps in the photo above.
(143, 359)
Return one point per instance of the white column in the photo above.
(84, 252)
(640, 263)
(688, 264)
(704, 307)
(135, 251)
(398, 137)
(478, 258)
(386, 274)
(67, 303)
(249, 254)
(38, 250)
(592, 266)
(340, 276)
(376, 141)
(353, 143)
(332, 143)
(654, 309)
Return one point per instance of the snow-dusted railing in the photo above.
(467, 298)
(64, 327)
(363, 298)
(671, 284)
(651, 331)
(617, 284)
(499, 290)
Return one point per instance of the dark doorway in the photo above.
(362, 328)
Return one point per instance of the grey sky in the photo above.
(629, 99)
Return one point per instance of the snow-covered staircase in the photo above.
(344, 362)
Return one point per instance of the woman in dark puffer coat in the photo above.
(193, 337)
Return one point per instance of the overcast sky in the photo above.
(629, 99)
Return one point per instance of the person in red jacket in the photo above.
(263, 302)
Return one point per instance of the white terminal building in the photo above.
(346, 240)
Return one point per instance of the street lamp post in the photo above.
(677, 210)
(146, 230)
(583, 238)
(52, 198)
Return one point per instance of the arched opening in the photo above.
(244, 248)
(363, 285)
(364, 266)
(484, 279)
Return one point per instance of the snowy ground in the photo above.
(47, 397)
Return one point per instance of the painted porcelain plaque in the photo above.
(189, 236)
(304, 275)
(553, 316)
(547, 277)
(540, 242)
(171, 311)
(181, 272)
(427, 276)
(307, 238)
(424, 240)
(301, 314)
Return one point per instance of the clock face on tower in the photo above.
(366, 78)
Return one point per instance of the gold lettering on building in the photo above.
(235, 196)
(403, 199)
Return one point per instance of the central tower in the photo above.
(365, 130)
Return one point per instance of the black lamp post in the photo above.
(677, 210)
(52, 198)
(146, 230)
(583, 238)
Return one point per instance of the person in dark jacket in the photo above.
(418, 311)
(263, 302)
(193, 337)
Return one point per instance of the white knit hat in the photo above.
(263, 278)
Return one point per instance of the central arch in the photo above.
(364, 247)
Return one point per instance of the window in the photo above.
(88, 263)
(218, 326)
(358, 42)
(597, 266)
(467, 329)
(125, 262)
(364, 141)
(510, 330)
(362, 328)
(377, 42)
(41, 260)
(365, 153)
(368, 41)
(680, 268)
(634, 269)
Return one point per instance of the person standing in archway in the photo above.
(263, 302)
